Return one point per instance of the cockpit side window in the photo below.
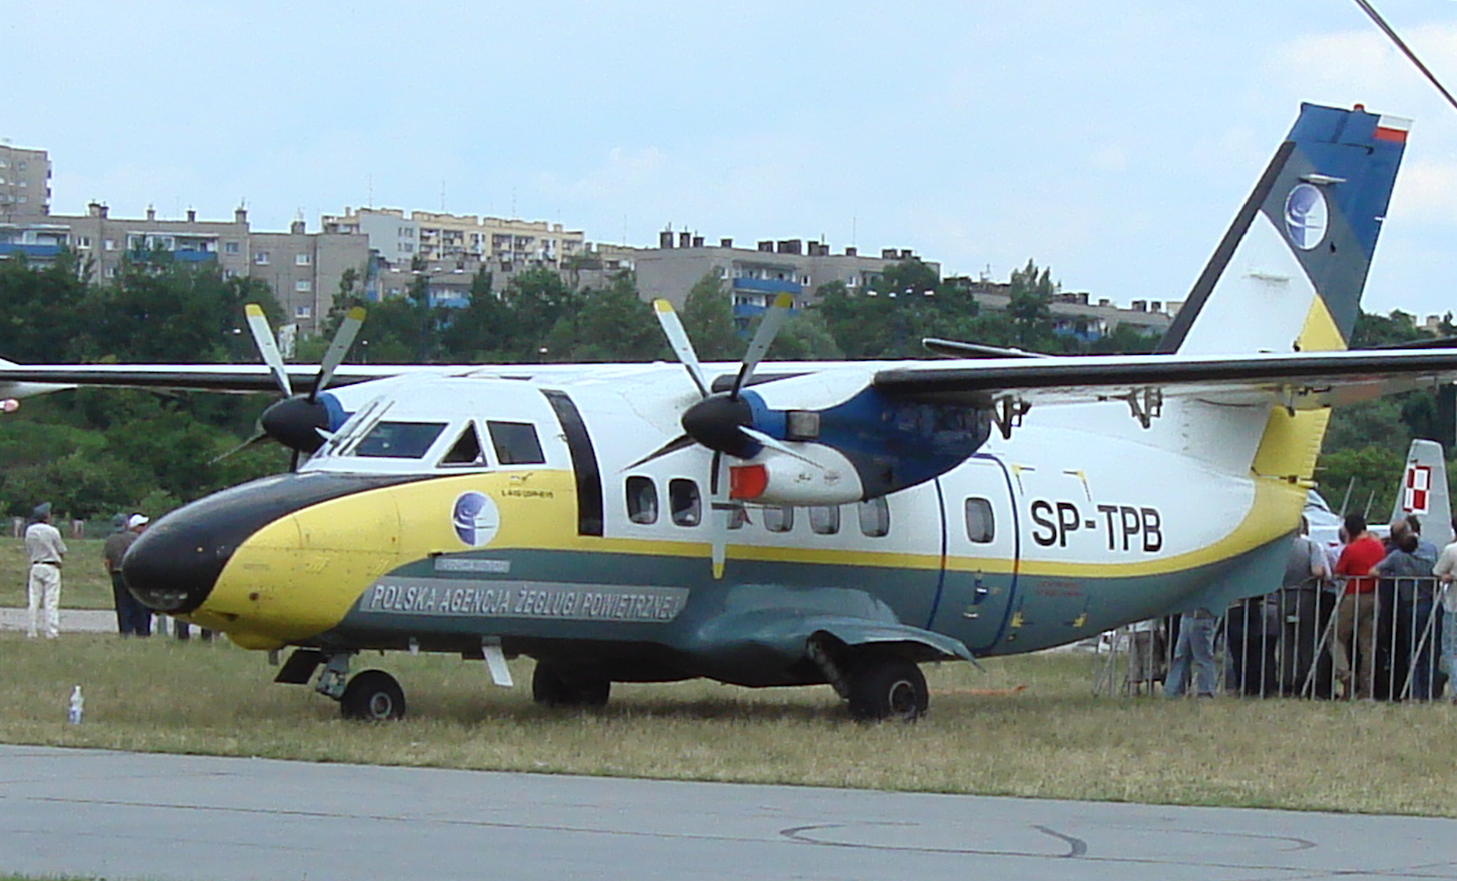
(398, 440)
(515, 443)
(467, 449)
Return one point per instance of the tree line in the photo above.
(94, 452)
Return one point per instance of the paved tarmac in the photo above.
(93, 813)
(72, 620)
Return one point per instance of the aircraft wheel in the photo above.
(887, 688)
(373, 696)
(553, 687)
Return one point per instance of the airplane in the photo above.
(793, 523)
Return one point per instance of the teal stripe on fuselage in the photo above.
(1045, 611)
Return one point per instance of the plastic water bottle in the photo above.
(77, 704)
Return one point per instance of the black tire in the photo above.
(553, 686)
(373, 696)
(887, 688)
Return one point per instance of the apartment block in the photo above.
(755, 276)
(464, 242)
(25, 181)
(303, 269)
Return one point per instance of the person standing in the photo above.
(45, 549)
(1446, 570)
(1196, 643)
(132, 618)
(1355, 627)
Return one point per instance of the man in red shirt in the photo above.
(1356, 613)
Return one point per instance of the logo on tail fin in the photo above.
(1306, 216)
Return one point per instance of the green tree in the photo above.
(613, 324)
(709, 321)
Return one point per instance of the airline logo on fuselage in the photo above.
(1306, 216)
(475, 519)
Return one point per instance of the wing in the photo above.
(1296, 380)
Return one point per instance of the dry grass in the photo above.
(1052, 739)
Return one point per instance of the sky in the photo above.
(1110, 141)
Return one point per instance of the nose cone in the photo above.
(176, 563)
(173, 566)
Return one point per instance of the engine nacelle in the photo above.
(818, 475)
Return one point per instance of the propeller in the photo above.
(721, 422)
(297, 421)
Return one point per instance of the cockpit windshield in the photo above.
(398, 440)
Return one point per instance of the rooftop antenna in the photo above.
(442, 197)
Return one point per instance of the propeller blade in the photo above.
(720, 510)
(778, 445)
(267, 346)
(257, 435)
(682, 346)
(769, 327)
(338, 348)
(681, 442)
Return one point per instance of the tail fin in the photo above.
(1423, 491)
(1289, 272)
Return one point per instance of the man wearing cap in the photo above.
(132, 618)
(45, 549)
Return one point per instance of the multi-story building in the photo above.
(25, 181)
(755, 276)
(502, 246)
(303, 269)
(1076, 314)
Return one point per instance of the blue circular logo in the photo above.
(475, 518)
(1306, 216)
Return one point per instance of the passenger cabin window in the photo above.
(398, 440)
(642, 500)
(981, 527)
(824, 519)
(875, 517)
(515, 443)
(779, 519)
(686, 504)
(466, 450)
(738, 517)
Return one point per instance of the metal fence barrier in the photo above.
(1308, 642)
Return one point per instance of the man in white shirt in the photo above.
(44, 547)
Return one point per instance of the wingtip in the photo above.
(662, 305)
(783, 301)
(253, 309)
(356, 313)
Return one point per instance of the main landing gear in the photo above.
(876, 685)
(368, 696)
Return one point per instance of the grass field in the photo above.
(1052, 739)
(84, 585)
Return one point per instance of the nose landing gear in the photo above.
(368, 696)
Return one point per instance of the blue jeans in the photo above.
(1196, 642)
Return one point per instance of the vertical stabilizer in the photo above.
(1289, 272)
(1423, 491)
